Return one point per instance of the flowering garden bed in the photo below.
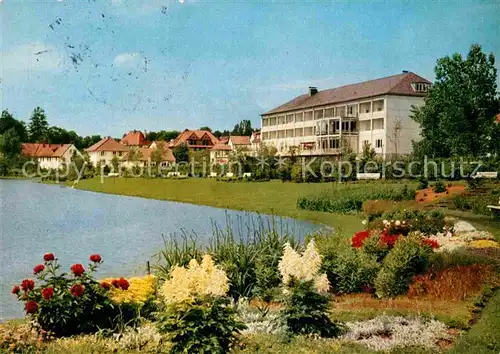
(411, 280)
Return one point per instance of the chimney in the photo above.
(405, 71)
(313, 90)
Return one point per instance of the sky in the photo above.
(107, 67)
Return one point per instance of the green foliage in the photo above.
(38, 127)
(478, 203)
(7, 122)
(374, 248)
(10, 143)
(208, 325)
(353, 271)
(428, 222)
(439, 187)
(459, 110)
(306, 311)
(243, 128)
(407, 259)
(181, 153)
(423, 183)
(350, 199)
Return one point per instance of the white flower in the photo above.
(398, 223)
(364, 222)
(385, 222)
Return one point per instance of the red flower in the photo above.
(105, 285)
(77, 270)
(47, 293)
(31, 306)
(38, 268)
(388, 240)
(27, 285)
(359, 237)
(95, 258)
(123, 283)
(77, 290)
(115, 283)
(432, 243)
(16, 289)
(47, 257)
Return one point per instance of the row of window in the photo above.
(378, 143)
(343, 111)
(115, 153)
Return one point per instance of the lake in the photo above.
(126, 231)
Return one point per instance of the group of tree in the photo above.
(459, 114)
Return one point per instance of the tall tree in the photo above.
(205, 128)
(181, 153)
(10, 143)
(459, 112)
(243, 128)
(7, 121)
(38, 127)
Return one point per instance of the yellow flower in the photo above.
(484, 244)
(187, 283)
(139, 291)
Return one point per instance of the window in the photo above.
(350, 109)
(114, 153)
(102, 153)
(365, 142)
(120, 153)
(421, 87)
(378, 143)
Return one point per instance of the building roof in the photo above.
(221, 147)
(392, 85)
(134, 138)
(224, 139)
(195, 134)
(107, 144)
(240, 140)
(44, 150)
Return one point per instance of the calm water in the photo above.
(125, 231)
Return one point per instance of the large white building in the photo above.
(375, 112)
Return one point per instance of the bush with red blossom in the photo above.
(359, 237)
(431, 243)
(68, 303)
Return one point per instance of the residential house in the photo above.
(49, 156)
(375, 112)
(144, 158)
(220, 154)
(135, 138)
(195, 140)
(239, 143)
(105, 150)
(255, 142)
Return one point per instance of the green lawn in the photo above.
(272, 197)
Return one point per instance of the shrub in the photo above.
(198, 317)
(439, 187)
(306, 311)
(354, 272)
(427, 222)
(377, 247)
(443, 285)
(65, 304)
(350, 199)
(206, 325)
(407, 259)
(306, 305)
(423, 183)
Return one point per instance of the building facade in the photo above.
(105, 150)
(49, 156)
(375, 112)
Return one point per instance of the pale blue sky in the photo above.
(107, 67)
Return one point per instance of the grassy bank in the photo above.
(272, 197)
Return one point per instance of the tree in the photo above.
(38, 127)
(7, 121)
(396, 134)
(10, 144)
(181, 153)
(243, 128)
(157, 155)
(206, 128)
(459, 112)
(134, 155)
(164, 135)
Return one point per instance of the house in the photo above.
(220, 153)
(105, 150)
(255, 142)
(239, 143)
(49, 156)
(144, 157)
(195, 140)
(224, 139)
(134, 138)
(375, 112)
